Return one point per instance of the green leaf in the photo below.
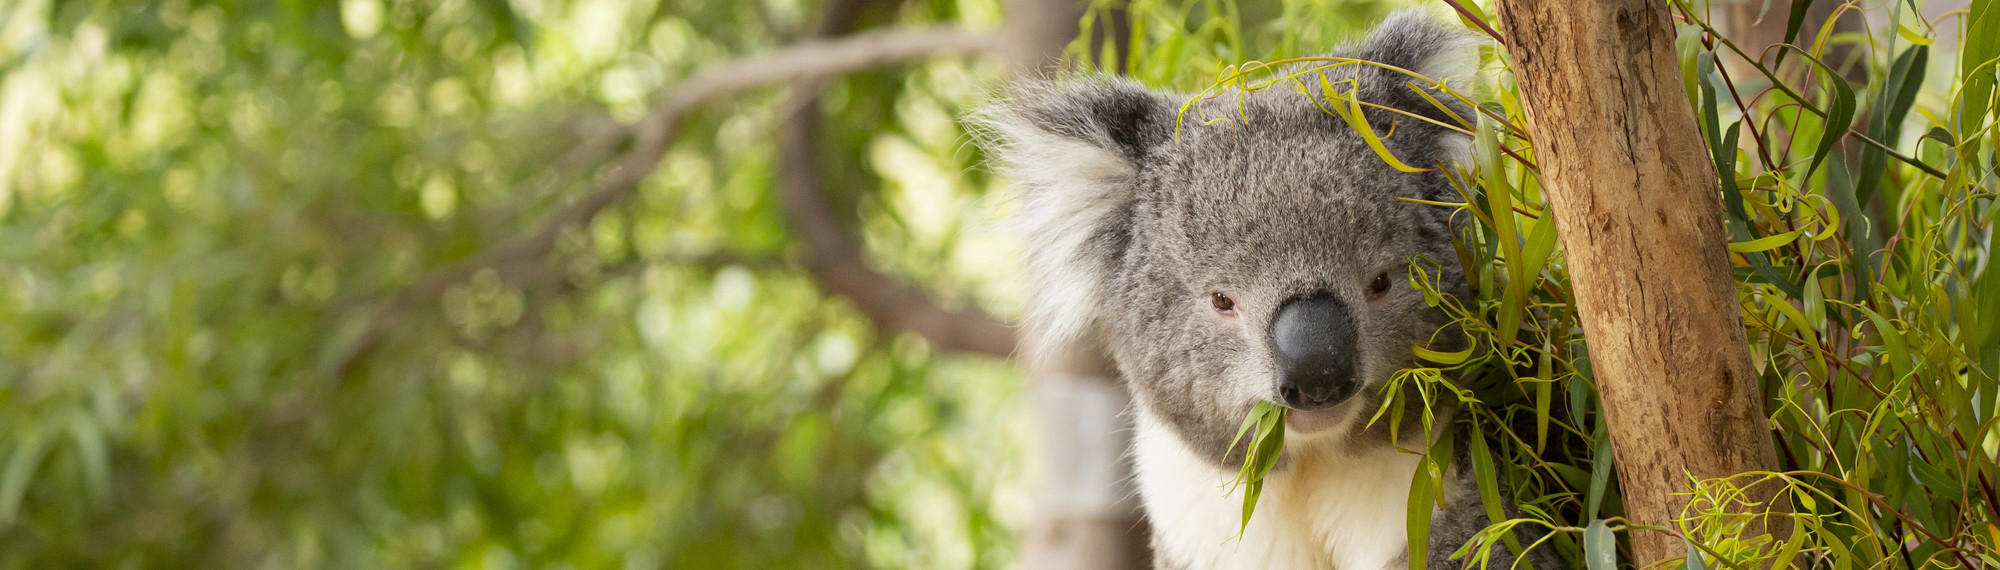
(1899, 92)
(1600, 547)
(1977, 56)
(1814, 303)
(1445, 358)
(90, 448)
(1766, 243)
(1986, 297)
(1348, 107)
(1694, 560)
(1839, 114)
(1417, 515)
(1600, 471)
(1793, 22)
(1487, 477)
(1426, 495)
(1266, 442)
(1722, 149)
(19, 472)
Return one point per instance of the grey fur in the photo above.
(1134, 219)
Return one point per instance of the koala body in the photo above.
(1253, 248)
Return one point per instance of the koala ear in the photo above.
(1412, 40)
(1076, 151)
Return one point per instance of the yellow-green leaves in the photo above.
(1348, 107)
(1426, 494)
(1765, 243)
(1266, 425)
(1445, 358)
(1976, 67)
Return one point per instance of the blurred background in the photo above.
(462, 283)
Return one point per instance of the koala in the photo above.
(1251, 247)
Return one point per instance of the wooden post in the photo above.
(1087, 511)
(1638, 208)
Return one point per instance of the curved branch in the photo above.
(803, 61)
(841, 268)
(837, 263)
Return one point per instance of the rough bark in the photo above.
(1086, 514)
(1637, 208)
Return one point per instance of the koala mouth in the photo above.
(1320, 419)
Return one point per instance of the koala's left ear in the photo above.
(1417, 42)
(1076, 150)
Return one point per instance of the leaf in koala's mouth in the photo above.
(1266, 439)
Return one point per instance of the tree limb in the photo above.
(803, 61)
(837, 263)
(841, 268)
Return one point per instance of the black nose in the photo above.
(1314, 340)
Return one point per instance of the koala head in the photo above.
(1253, 249)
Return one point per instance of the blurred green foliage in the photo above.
(203, 205)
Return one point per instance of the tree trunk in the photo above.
(1086, 516)
(1086, 512)
(1637, 207)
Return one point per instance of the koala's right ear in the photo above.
(1076, 150)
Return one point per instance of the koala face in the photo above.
(1251, 249)
(1270, 261)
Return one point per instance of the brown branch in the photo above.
(840, 267)
(838, 263)
(803, 61)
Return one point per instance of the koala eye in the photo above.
(1379, 286)
(1223, 304)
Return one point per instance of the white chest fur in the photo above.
(1323, 511)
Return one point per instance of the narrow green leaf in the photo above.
(1839, 114)
(1986, 297)
(1487, 477)
(1814, 303)
(1898, 94)
(1600, 547)
(1976, 59)
(1266, 442)
(1347, 106)
(1417, 517)
(20, 470)
(1694, 560)
(1766, 243)
(1445, 358)
(1793, 22)
(1426, 486)
(90, 448)
(1600, 471)
(1722, 149)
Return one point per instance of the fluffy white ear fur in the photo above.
(1456, 62)
(1074, 180)
(1453, 58)
(1457, 65)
